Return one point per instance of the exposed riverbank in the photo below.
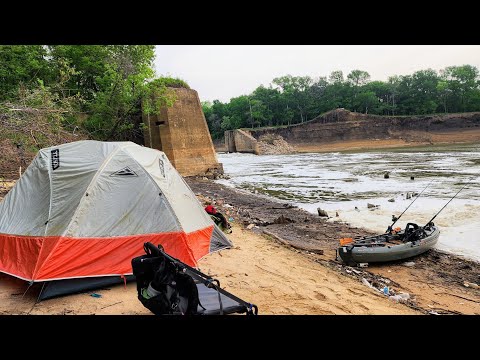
(270, 267)
(405, 140)
(436, 281)
(409, 139)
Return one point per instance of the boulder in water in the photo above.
(322, 212)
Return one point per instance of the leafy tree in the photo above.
(463, 84)
(357, 79)
(393, 84)
(418, 92)
(443, 92)
(239, 113)
(259, 113)
(336, 77)
(272, 110)
(337, 91)
(295, 90)
(121, 87)
(381, 91)
(366, 100)
(111, 79)
(214, 119)
(22, 65)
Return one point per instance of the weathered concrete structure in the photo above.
(241, 141)
(181, 132)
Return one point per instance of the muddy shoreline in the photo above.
(438, 282)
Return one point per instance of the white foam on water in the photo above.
(458, 222)
(339, 182)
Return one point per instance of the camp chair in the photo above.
(212, 299)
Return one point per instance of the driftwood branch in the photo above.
(287, 243)
(268, 271)
(111, 305)
(461, 297)
(34, 139)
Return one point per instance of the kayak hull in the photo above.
(358, 253)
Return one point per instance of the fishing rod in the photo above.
(458, 192)
(396, 219)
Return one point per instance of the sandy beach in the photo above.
(278, 267)
(277, 279)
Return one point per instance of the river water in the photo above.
(346, 182)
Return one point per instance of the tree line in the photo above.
(98, 89)
(296, 99)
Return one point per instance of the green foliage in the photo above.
(38, 118)
(169, 82)
(295, 99)
(118, 91)
(22, 65)
(358, 77)
(157, 94)
(463, 84)
(107, 81)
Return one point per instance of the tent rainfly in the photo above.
(83, 210)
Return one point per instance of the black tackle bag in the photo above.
(162, 286)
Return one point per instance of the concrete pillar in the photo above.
(181, 132)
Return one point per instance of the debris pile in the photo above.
(272, 144)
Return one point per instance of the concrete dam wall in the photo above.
(241, 141)
(181, 132)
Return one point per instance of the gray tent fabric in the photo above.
(84, 209)
(73, 185)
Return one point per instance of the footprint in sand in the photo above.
(362, 307)
(320, 296)
(355, 292)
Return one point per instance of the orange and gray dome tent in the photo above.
(83, 210)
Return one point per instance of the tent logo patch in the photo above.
(126, 171)
(55, 156)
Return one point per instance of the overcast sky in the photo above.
(226, 71)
